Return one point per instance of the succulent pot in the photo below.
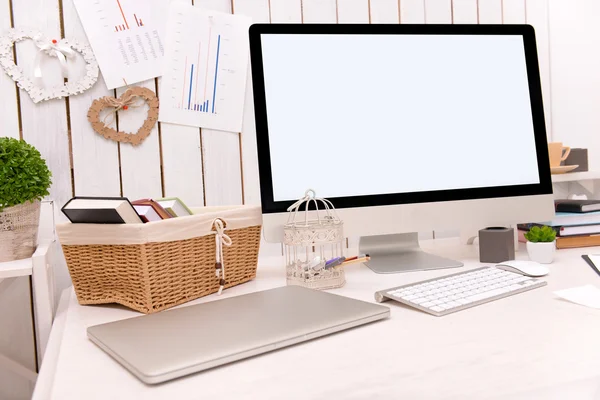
(541, 252)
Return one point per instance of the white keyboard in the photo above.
(451, 293)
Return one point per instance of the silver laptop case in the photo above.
(203, 336)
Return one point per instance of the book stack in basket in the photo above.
(154, 266)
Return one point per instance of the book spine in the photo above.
(569, 208)
(577, 241)
(527, 227)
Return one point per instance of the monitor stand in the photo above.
(400, 253)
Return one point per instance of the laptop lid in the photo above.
(174, 343)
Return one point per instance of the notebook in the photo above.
(577, 206)
(147, 213)
(174, 206)
(170, 344)
(101, 210)
(152, 203)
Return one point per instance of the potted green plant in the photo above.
(541, 244)
(24, 181)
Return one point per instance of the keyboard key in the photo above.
(428, 304)
(437, 308)
(485, 295)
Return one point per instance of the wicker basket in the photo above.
(158, 265)
(18, 231)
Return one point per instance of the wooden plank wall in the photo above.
(203, 166)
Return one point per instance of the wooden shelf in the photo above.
(12, 269)
(576, 176)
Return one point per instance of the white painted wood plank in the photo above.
(412, 11)
(384, 11)
(45, 380)
(45, 123)
(319, 11)
(286, 11)
(90, 149)
(9, 110)
(182, 160)
(575, 65)
(140, 165)
(221, 150)
(13, 269)
(464, 11)
(217, 5)
(438, 11)
(222, 170)
(513, 11)
(182, 163)
(353, 11)
(537, 15)
(490, 12)
(259, 11)
(46, 231)
(43, 298)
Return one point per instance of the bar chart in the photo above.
(194, 82)
(123, 24)
(126, 36)
(205, 76)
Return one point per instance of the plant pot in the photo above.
(18, 231)
(542, 253)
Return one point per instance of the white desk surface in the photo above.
(529, 346)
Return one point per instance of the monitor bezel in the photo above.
(269, 205)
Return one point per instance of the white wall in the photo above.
(209, 167)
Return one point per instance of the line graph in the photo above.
(205, 75)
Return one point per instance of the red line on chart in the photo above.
(184, 76)
(123, 14)
(136, 20)
(197, 70)
(207, 56)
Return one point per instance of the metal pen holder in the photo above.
(310, 243)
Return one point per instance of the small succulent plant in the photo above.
(543, 234)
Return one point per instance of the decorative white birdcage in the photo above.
(313, 241)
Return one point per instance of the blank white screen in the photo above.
(352, 115)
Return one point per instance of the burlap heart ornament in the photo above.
(130, 98)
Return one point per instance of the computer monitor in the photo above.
(404, 128)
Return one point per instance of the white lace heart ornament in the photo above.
(61, 49)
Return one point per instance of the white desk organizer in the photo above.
(310, 242)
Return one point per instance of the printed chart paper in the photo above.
(205, 68)
(126, 36)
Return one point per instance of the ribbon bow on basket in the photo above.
(221, 238)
